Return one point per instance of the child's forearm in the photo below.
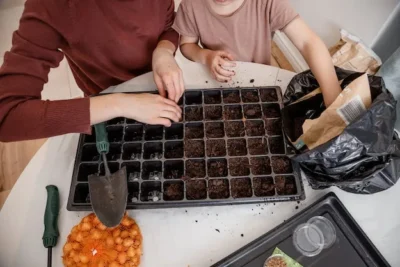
(195, 53)
(318, 58)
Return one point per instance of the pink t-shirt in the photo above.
(246, 34)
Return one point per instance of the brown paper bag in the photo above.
(354, 100)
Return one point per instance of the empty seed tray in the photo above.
(228, 149)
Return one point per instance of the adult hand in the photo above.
(218, 62)
(167, 74)
(149, 109)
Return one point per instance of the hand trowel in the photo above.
(108, 193)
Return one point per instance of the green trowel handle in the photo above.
(102, 144)
(51, 234)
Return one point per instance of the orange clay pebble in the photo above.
(92, 244)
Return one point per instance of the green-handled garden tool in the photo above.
(109, 193)
(50, 235)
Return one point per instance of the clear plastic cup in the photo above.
(272, 260)
(327, 228)
(308, 240)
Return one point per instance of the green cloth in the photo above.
(288, 260)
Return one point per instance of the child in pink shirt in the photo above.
(242, 30)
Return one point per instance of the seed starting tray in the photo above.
(351, 249)
(229, 149)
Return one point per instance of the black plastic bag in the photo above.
(365, 157)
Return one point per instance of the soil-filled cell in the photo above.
(255, 128)
(218, 188)
(257, 146)
(152, 170)
(273, 126)
(268, 95)
(285, 185)
(250, 96)
(276, 145)
(260, 165)
(264, 186)
(281, 165)
(196, 189)
(233, 112)
(216, 148)
(252, 111)
(194, 148)
(193, 98)
(195, 169)
(217, 168)
(271, 111)
(174, 132)
(213, 113)
(239, 167)
(237, 147)
(241, 188)
(153, 132)
(231, 96)
(173, 150)
(132, 151)
(212, 97)
(151, 191)
(234, 128)
(173, 169)
(153, 150)
(133, 133)
(194, 130)
(173, 190)
(132, 170)
(194, 113)
(215, 130)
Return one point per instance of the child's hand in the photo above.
(149, 109)
(218, 62)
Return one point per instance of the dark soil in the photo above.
(212, 97)
(260, 166)
(234, 128)
(194, 148)
(271, 111)
(217, 168)
(194, 131)
(173, 150)
(239, 166)
(281, 165)
(255, 128)
(252, 111)
(276, 145)
(263, 186)
(273, 126)
(193, 113)
(237, 147)
(213, 112)
(257, 146)
(215, 130)
(216, 148)
(133, 133)
(268, 95)
(241, 188)
(285, 185)
(250, 96)
(233, 113)
(173, 169)
(173, 191)
(231, 97)
(196, 189)
(218, 188)
(195, 169)
(298, 126)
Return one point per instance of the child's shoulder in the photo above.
(191, 4)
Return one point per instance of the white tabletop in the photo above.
(176, 237)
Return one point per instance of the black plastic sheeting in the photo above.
(365, 158)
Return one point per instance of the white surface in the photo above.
(172, 237)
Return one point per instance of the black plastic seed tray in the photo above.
(351, 249)
(229, 149)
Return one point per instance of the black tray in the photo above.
(352, 248)
(159, 179)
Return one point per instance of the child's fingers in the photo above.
(161, 121)
(226, 55)
(227, 64)
(224, 72)
(170, 115)
(221, 78)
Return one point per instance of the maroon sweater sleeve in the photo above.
(23, 115)
(170, 34)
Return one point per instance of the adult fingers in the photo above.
(182, 85)
(169, 86)
(169, 115)
(178, 89)
(161, 121)
(160, 86)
